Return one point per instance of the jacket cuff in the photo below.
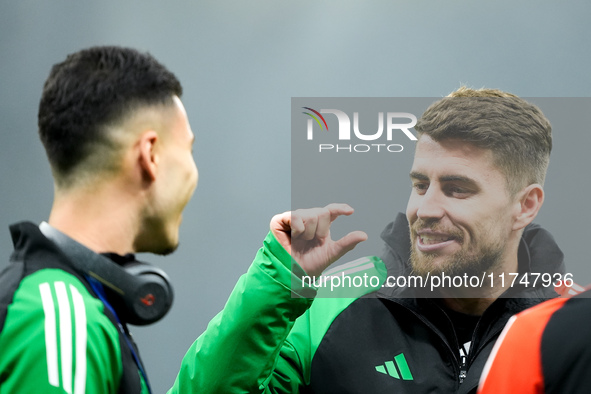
(287, 271)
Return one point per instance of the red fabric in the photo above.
(515, 364)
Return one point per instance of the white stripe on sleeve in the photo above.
(65, 335)
(81, 339)
(50, 334)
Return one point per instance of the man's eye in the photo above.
(457, 191)
(420, 187)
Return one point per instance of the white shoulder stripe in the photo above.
(346, 266)
(50, 334)
(66, 336)
(495, 350)
(81, 339)
(357, 269)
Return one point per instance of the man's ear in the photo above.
(528, 204)
(148, 157)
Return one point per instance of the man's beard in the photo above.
(156, 238)
(167, 250)
(473, 261)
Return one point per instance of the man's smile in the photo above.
(429, 241)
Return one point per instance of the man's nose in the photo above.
(431, 204)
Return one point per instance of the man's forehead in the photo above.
(427, 146)
(451, 157)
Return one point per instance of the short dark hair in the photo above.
(517, 132)
(91, 89)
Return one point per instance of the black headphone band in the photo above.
(142, 293)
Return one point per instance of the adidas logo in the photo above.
(398, 368)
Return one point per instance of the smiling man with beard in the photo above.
(453, 209)
(477, 177)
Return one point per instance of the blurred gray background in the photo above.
(240, 64)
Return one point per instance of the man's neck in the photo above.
(101, 219)
(468, 306)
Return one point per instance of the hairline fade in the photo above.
(87, 94)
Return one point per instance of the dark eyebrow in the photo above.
(457, 178)
(419, 176)
(445, 178)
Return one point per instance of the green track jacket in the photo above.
(255, 345)
(56, 336)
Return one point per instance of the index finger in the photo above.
(338, 209)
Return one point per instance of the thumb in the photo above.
(348, 243)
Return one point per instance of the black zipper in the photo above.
(441, 336)
(463, 360)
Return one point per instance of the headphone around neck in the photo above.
(139, 292)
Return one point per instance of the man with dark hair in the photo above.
(477, 177)
(86, 96)
(120, 148)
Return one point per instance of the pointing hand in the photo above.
(305, 234)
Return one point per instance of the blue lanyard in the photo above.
(100, 292)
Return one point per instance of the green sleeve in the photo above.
(56, 339)
(240, 349)
(265, 338)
